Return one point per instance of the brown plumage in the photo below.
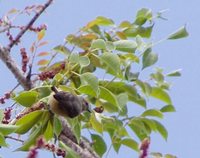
(67, 104)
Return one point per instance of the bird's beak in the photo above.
(89, 110)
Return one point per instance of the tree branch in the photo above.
(13, 67)
(83, 149)
(20, 34)
(83, 153)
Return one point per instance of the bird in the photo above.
(66, 104)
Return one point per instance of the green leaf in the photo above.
(98, 44)
(36, 132)
(108, 96)
(40, 34)
(156, 155)
(146, 88)
(7, 129)
(98, 144)
(28, 121)
(169, 156)
(161, 95)
(120, 87)
(139, 128)
(101, 21)
(168, 108)
(27, 98)
(57, 126)
(87, 89)
(180, 33)
(2, 140)
(122, 99)
(62, 49)
(76, 127)
(158, 76)
(112, 62)
(31, 139)
(149, 58)
(109, 107)
(130, 57)
(126, 45)
(74, 58)
(84, 61)
(116, 142)
(1, 115)
(110, 46)
(134, 31)
(95, 121)
(175, 73)
(142, 16)
(91, 80)
(152, 112)
(70, 153)
(48, 134)
(149, 123)
(130, 143)
(161, 129)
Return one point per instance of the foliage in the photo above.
(105, 62)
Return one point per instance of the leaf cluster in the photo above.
(123, 53)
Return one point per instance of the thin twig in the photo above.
(16, 139)
(20, 34)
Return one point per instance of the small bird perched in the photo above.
(67, 104)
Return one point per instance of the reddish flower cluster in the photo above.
(41, 144)
(39, 28)
(32, 153)
(10, 37)
(7, 115)
(58, 151)
(144, 148)
(6, 96)
(99, 109)
(24, 59)
(33, 8)
(51, 73)
(1, 21)
(34, 108)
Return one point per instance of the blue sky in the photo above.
(65, 17)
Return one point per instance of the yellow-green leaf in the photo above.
(48, 134)
(161, 95)
(98, 44)
(130, 143)
(180, 33)
(28, 121)
(27, 98)
(40, 35)
(91, 80)
(2, 140)
(112, 62)
(7, 129)
(149, 58)
(108, 96)
(161, 129)
(152, 112)
(98, 144)
(95, 121)
(168, 108)
(126, 45)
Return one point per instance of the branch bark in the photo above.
(13, 67)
